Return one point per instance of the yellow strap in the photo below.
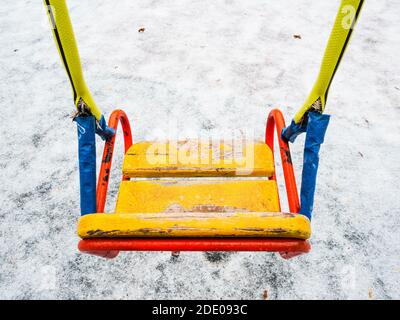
(338, 41)
(64, 36)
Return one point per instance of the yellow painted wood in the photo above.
(215, 195)
(198, 159)
(197, 224)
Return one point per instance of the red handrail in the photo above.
(276, 120)
(105, 170)
(108, 248)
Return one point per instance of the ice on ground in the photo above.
(203, 67)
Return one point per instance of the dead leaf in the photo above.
(297, 36)
(175, 254)
(141, 30)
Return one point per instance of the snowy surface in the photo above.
(208, 67)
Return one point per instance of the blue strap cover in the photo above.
(87, 162)
(316, 129)
(291, 132)
(104, 131)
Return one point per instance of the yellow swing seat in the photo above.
(219, 204)
(195, 224)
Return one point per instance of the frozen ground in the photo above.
(204, 67)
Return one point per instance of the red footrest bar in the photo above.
(108, 248)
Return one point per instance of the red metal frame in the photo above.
(109, 248)
(102, 247)
(276, 120)
(105, 169)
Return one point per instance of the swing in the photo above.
(198, 195)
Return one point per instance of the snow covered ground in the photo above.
(208, 67)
